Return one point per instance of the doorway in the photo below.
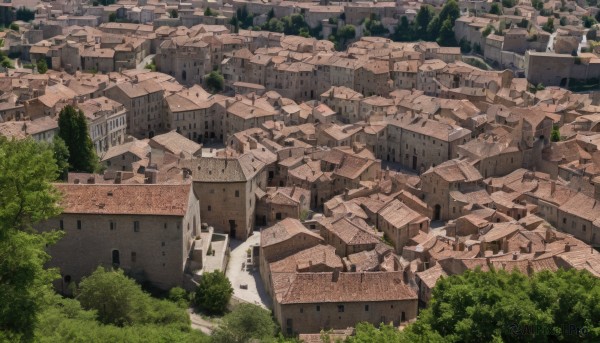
(116, 260)
(232, 227)
(437, 210)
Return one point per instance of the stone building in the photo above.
(146, 230)
(196, 114)
(438, 182)
(400, 223)
(144, 103)
(227, 187)
(107, 122)
(311, 302)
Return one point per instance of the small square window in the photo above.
(237, 194)
(340, 308)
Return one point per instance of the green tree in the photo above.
(537, 4)
(424, 16)
(404, 32)
(213, 292)
(446, 37)
(27, 198)
(174, 14)
(61, 156)
(73, 129)
(588, 21)
(549, 25)
(509, 3)
(555, 135)
(42, 66)
(246, 323)
(495, 9)
(209, 12)
(120, 301)
(14, 27)
(179, 296)
(498, 306)
(215, 81)
(112, 17)
(24, 14)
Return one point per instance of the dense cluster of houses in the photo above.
(369, 173)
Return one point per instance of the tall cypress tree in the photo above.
(73, 129)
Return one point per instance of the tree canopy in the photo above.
(247, 322)
(215, 82)
(27, 197)
(73, 130)
(213, 292)
(42, 66)
(120, 301)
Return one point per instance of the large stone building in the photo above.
(146, 230)
(227, 187)
(311, 302)
(144, 103)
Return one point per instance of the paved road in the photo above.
(145, 61)
(255, 292)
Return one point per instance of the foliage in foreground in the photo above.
(245, 323)
(498, 306)
(213, 292)
(27, 197)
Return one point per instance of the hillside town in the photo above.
(335, 160)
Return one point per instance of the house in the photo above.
(312, 302)
(146, 230)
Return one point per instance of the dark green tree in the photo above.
(61, 155)
(424, 16)
(120, 301)
(214, 82)
(27, 198)
(404, 32)
(495, 9)
(498, 306)
(246, 323)
(213, 292)
(112, 17)
(173, 13)
(446, 36)
(549, 25)
(42, 66)
(555, 135)
(24, 14)
(73, 129)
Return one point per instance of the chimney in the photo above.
(515, 256)
(118, 177)
(335, 276)
(552, 187)
(91, 180)
(567, 247)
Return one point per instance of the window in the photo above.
(136, 226)
(301, 310)
(340, 308)
(237, 194)
(366, 308)
(162, 244)
(278, 215)
(79, 225)
(564, 220)
(133, 256)
(209, 208)
(583, 228)
(61, 225)
(113, 226)
(67, 278)
(318, 308)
